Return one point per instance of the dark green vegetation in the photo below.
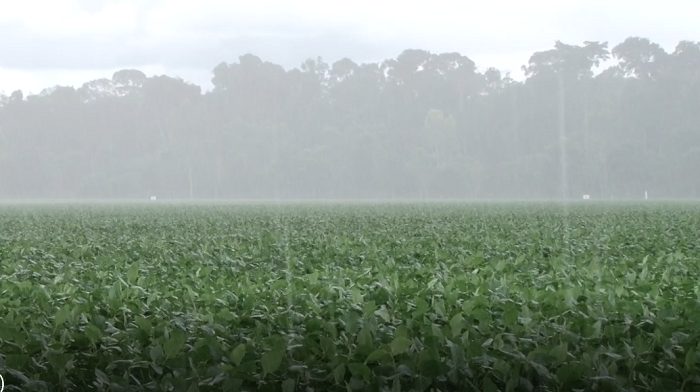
(364, 297)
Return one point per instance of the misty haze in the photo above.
(366, 196)
(421, 125)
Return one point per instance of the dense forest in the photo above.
(586, 119)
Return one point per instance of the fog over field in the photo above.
(616, 117)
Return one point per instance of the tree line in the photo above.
(587, 119)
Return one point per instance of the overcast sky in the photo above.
(68, 42)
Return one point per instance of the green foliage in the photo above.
(412, 297)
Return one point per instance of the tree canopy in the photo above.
(586, 119)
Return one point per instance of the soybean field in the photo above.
(350, 297)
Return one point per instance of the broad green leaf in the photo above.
(360, 370)
(339, 373)
(272, 359)
(132, 273)
(93, 333)
(62, 316)
(238, 353)
(156, 353)
(456, 324)
(376, 355)
(399, 345)
(560, 352)
(364, 338)
(174, 344)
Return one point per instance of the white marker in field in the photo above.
(586, 197)
(646, 195)
(153, 198)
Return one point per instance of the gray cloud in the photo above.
(26, 50)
